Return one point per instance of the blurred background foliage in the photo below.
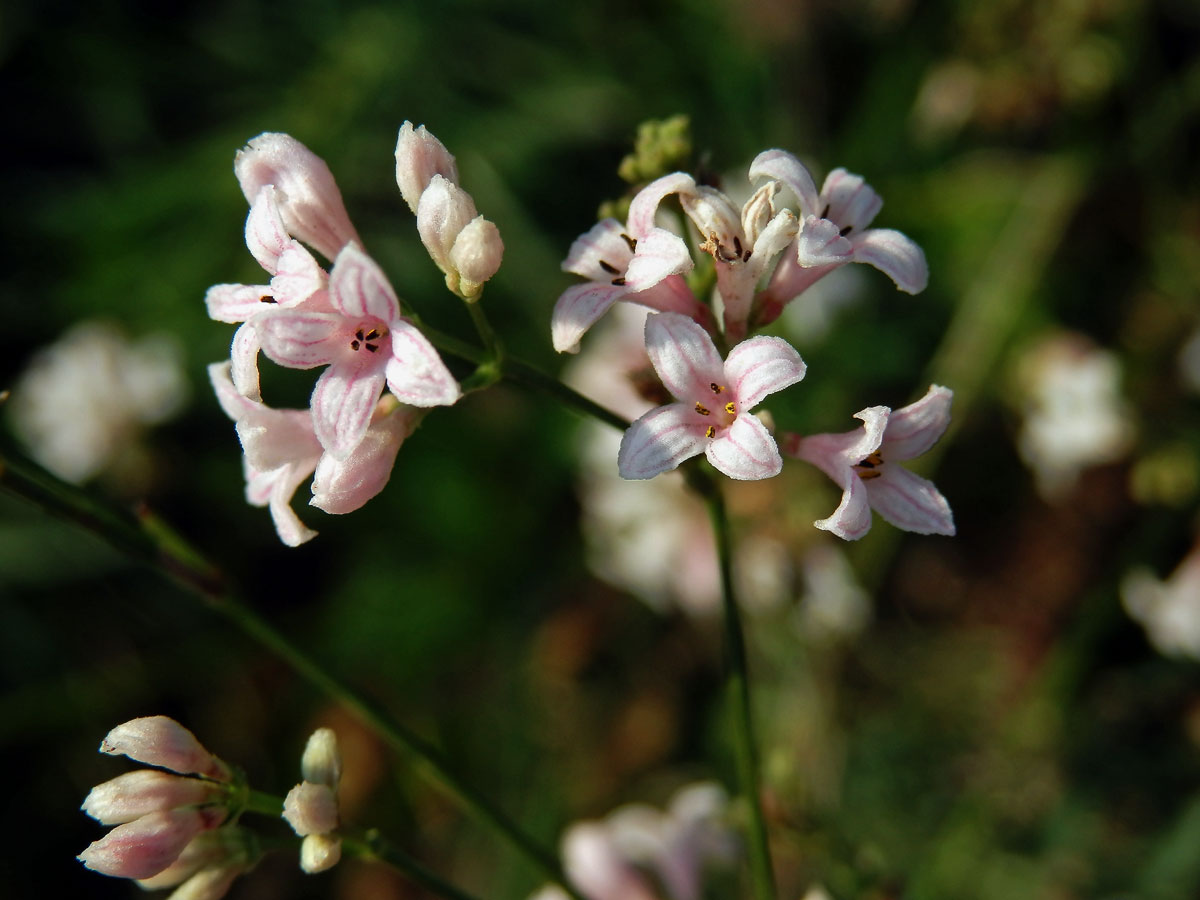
(1000, 729)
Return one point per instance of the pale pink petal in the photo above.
(745, 450)
(311, 809)
(852, 519)
(342, 403)
(851, 201)
(309, 201)
(782, 166)
(602, 243)
(207, 884)
(420, 156)
(644, 205)
(820, 244)
(909, 501)
(577, 309)
(243, 354)
(673, 295)
(761, 366)
(833, 454)
(894, 254)
(359, 289)
(235, 404)
(444, 210)
(683, 355)
(237, 302)
(477, 254)
(259, 485)
(161, 741)
(207, 849)
(266, 235)
(659, 441)
(915, 428)
(278, 437)
(134, 794)
(778, 234)
(788, 281)
(595, 866)
(284, 482)
(416, 374)
(146, 846)
(299, 339)
(659, 254)
(342, 486)
(297, 276)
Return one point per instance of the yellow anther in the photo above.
(716, 388)
(731, 408)
(710, 431)
(701, 409)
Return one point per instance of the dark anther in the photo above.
(372, 347)
(825, 212)
(845, 231)
(609, 268)
(737, 245)
(746, 256)
(714, 387)
(632, 242)
(619, 282)
(267, 298)
(372, 334)
(358, 334)
(354, 345)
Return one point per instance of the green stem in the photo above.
(737, 687)
(150, 541)
(491, 343)
(370, 844)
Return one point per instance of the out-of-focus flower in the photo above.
(638, 851)
(84, 400)
(282, 450)
(834, 231)
(863, 464)
(833, 605)
(637, 262)
(466, 246)
(1073, 411)
(1168, 609)
(166, 824)
(714, 398)
(365, 344)
(311, 807)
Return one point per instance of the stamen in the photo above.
(632, 242)
(702, 410)
(373, 334)
(737, 245)
(716, 388)
(846, 230)
(267, 298)
(619, 282)
(359, 334)
(746, 256)
(710, 431)
(354, 345)
(372, 348)
(869, 474)
(609, 268)
(731, 408)
(825, 212)
(867, 469)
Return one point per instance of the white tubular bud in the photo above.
(311, 809)
(319, 852)
(132, 795)
(476, 255)
(161, 741)
(420, 156)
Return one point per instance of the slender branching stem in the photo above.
(370, 844)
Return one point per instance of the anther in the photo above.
(619, 282)
(267, 298)
(825, 212)
(631, 241)
(716, 388)
(737, 245)
(710, 431)
(846, 230)
(731, 408)
(702, 410)
(372, 348)
(869, 474)
(609, 268)
(372, 334)
(354, 345)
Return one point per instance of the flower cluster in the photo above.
(311, 807)
(379, 368)
(763, 255)
(169, 824)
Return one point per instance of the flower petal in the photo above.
(163, 742)
(342, 403)
(834, 454)
(415, 372)
(915, 428)
(894, 254)
(147, 845)
(297, 276)
(909, 501)
(444, 210)
(659, 255)
(683, 355)
(243, 353)
(852, 519)
(342, 486)
(236, 302)
(659, 441)
(851, 201)
(761, 366)
(299, 339)
(577, 309)
(644, 205)
(745, 450)
(358, 287)
(278, 437)
(266, 235)
(781, 165)
(602, 243)
(235, 404)
(820, 244)
(134, 794)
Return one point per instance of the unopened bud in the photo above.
(420, 156)
(311, 809)
(321, 762)
(144, 847)
(476, 255)
(319, 852)
(161, 741)
(134, 794)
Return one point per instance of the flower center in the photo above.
(368, 337)
(869, 467)
(723, 252)
(719, 416)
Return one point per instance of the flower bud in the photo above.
(420, 156)
(207, 884)
(134, 794)
(476, 255)
(146, 846)
(321, 762)
(161, 741)
(308, 198)
(319, 852)
(311, 809)
(443, 211)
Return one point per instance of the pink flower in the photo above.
(161, 741)
(144, 847)
(833, 232)
(282, 451)
(637, 262)
(311, 807)
(365, 344)
(863, 463)
(714, 399)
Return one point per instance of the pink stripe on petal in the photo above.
(915, 428)
(659, 254)
(850, 199)
(342, 403)
(415, 373)
(761, 366)
(602, 242)
(659, 441)
(147, 845)
(358, 287)
(910, 502)
(577, 309)
(298, 276)
(894, 254)
(683, 355)
(236, 302)
(852, 518)
(645, 203)
(746, 451)
(783, 166)
(266, 236)
(299, 339)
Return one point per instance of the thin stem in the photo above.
(737, 687)
(491, 344)
(370, 844)
(152, 542)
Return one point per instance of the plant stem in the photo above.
(151, 541)
(737, 688)
(370, 844)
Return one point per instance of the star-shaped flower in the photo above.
(714, 399)
(863, 463)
